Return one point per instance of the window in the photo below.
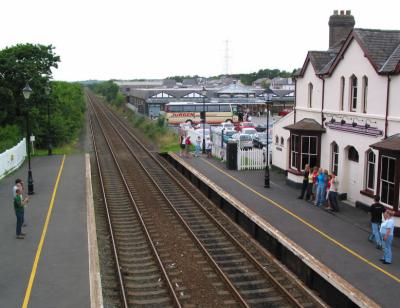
(224, 108)
(335, 158)
(294, 144)
(310, 93)
(353, 94)
(175, 108)
(353, 154)
(342, 84)
(308, 151)
(188, 108)
(370, 172)
(212, 108)
(365, 94)
(276, 139)
(387, 180)
(282, 141)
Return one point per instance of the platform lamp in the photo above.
(47, 90)
(27, 91)
(203, 117)
(268, 101)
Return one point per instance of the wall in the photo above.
(12, 158)
(280, 153)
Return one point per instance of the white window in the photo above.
(370, 172)
(335, 158)
(194, 95)
(308, 151)
(294, 145)
(365, 94)
(341, 101)
(354, 93)
(387, 180)
(161, 95)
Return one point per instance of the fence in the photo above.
(251, 159)
(12, 158)
(219, 148)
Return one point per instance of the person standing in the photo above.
(333, 194)
(19, 205)
(208, 147)
(376, 210)
(386, 231)
(198, 146)
(310, 184)
(306, 172)
(188, 143)
(182, 144)
(321, 187)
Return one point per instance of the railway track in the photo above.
(202, 258)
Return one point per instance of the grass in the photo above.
(67, 149)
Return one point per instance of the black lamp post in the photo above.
(27, 91)
(204, 93)
(267, 98)
(49, 146)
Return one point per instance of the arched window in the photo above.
(353, 93)
(370, 172)
(282, 141)
(341, 100)
(335, 158)
(276, 139)
(365, 94)
(310, 94)
(353, 154)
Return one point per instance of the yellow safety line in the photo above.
(397, 279)
(39, 250)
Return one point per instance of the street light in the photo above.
(267, 98)
(27, 91)
(204, 93)
(47, 90)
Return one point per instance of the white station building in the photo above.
(347, 114)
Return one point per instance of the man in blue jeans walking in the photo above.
(19, 205)
(376, 211)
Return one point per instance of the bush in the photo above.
(10, 135)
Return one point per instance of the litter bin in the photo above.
(231, 155)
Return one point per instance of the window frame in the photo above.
(342, 86)
(389, 183)
(308, 153)
(294, 151)
(335, 158)
(353, 93)
(365, 94)
(368, 171)
(352, 157)
(310, 94)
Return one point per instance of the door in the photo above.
(353, 185)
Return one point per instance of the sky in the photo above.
(128, 39)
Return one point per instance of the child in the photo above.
(208, 147)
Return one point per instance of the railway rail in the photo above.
(197, 256)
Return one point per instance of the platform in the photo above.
(59, 276)
(339, 240)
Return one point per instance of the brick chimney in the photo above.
(340, 25)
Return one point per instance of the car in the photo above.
(228, 135)
(260, 140)
(284, 112)
(249, 131)
(244, 124)
(244, 140)
(227, 126)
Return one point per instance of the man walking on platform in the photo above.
(19, 205)
(376, 211)
(305, 181)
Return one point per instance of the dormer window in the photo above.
(354, 93)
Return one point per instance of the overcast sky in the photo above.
(125, 39)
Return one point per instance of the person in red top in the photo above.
(314, 178)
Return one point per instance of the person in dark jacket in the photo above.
(305, 181)
(376, 210)
(19, 205)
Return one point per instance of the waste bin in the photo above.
(231, 155)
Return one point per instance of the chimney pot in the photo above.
(335, 12)
(341, 12)
(348, 12)
(340, 26)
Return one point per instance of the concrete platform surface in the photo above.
(337, 240)
(62, 271)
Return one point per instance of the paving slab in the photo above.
(62, 276)
(337, 240)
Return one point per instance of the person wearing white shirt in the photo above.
(386, 231)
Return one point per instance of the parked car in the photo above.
(244, 141)
(284, 112)
(228, 135)
(249, 131)
(260, 140)
(244, 124)
(227, 126)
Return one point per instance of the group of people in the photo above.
(19, 206)
(185, 143)
(320, 187)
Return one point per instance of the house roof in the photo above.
(391, 143)
(236, 88)
(306, 124)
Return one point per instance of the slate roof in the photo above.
(320, 59)
(391, 143)
(306, 124)
(236, 88)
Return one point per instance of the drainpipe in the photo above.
(295, 99)
(387, 104)
(322, 99)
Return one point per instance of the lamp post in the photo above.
(49, 146)
(204, 93)
(267, 98)
(27, 91)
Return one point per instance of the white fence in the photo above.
(250, 159)
(12, 158)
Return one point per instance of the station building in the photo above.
(347, 114)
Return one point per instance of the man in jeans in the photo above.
(376, 211)
(19, 205)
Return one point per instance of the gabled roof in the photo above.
(319, 61)
(236, 88)
(391, 143)
(306, 124)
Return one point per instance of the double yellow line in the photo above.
(322, 233)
